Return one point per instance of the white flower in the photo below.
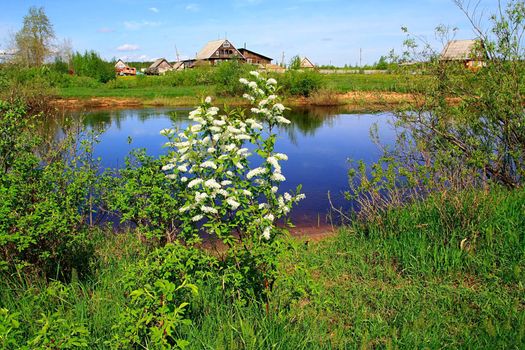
(168, 167)
(194, 183)
(196, 128)
(219, 122)
(287, 197)
(239, 166)
(208, 100)
(222, 192)
(263, 206)
(282, 120)
(211, 183)
(197, 218)
(271, 81)
(183, 168)
(263, 103)
(252, 85)
(279, 107)
(272, 97)
(248, 96)
(281, 156)
(242, 137)
(185, 209)
(166, 132)
(255, 73)
(226, 183)
(300, 197)
(211, 150)
(274, 162)
(266, 233)
(274, 189)
(171, 176)
(209, 164)
(233, 203)
(255, 110)
(270, 217)
(278, 177)
(247, 193)
(230, 147)
(208, 210)
(199, 197)
(256, 172)
(183, 179)
(243, 81)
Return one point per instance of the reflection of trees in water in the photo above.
(102, 120)
(306, 120)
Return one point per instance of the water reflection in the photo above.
(319, 143)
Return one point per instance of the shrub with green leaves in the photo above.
(46, 199)
(301, 83)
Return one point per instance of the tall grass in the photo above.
(407, 279)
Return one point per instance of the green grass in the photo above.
(148, 92)
(402, 280)
(372, 82)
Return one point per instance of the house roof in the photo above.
(158, 62)
(242, 50)
(211, 47)
(306, 63)
(459, 50)
(119, 63)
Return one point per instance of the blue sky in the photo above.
(326, 31)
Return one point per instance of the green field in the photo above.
(160, 87)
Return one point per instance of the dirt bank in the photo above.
(356, 100)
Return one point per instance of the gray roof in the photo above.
(459, 50)
(211, 47)
(306, 63)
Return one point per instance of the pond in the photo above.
(319, 143)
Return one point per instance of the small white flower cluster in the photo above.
(262, 94)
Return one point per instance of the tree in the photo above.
(34, 41)
(295, 63)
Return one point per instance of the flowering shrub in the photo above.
(221, 193)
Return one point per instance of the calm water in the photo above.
(318, 142)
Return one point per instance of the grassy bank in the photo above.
(448, 272)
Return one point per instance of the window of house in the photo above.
(226, 44)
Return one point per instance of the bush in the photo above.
(45, 201)
(227, 75)
(301, 83)
(91, 65)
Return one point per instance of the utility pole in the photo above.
(360, 57)
(177, 52)
(282, 60)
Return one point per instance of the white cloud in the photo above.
(128, 47)
(154, 9)
(135, 25)
(192, 7)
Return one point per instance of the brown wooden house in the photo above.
(121, 68)
(159, 67)
(463, 51)
(254, 57)
(218, 51)
(306, 63)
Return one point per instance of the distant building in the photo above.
(306, 63)
(464, 51)
(121, 68)
(254, 57)
(217, 51)
(159, 67)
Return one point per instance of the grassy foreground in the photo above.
(448, 272)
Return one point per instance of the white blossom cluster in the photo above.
(210, 163)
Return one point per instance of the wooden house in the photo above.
(464, 51)
(218, 51)
(254, 57)
(306, 63)
(159, 67)
(121, 68)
